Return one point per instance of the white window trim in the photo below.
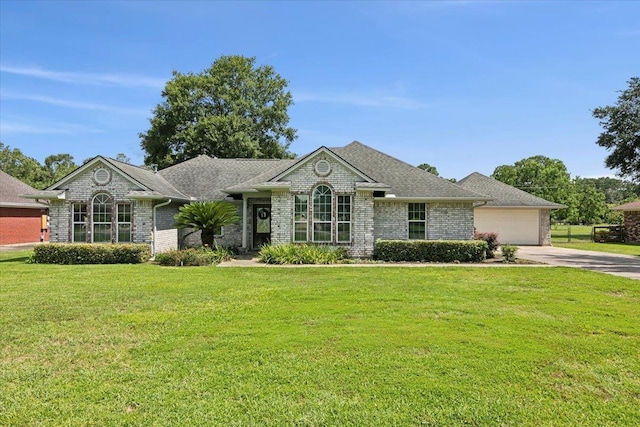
(416, 221)
(94, 222)
(331, 216)
(118, 223)
(338, 222)
(305, 221)
(74, 222)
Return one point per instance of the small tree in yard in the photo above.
(206, 217)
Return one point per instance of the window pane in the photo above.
(344, 232)
(79, 233)
(102, 233)
(300, 233)
(124, 233)
(344, 208)
(322, 203)
(322, 232)
(124, 212)
(417, 212)
(416, 230)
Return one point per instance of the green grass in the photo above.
(581, 239)
(148, 345)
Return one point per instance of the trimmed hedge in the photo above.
(431, 250)
(293, 253)
(194, 257)
(83, 253)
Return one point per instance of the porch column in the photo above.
(244, 221)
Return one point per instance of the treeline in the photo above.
(39, 176)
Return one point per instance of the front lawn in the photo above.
(579, 237)
(150, 345)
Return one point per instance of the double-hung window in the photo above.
(322, 208)
(79, 232)
(300, 218)
(344, 219)
(124, 222)
(417, 221)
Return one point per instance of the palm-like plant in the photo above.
(206, 217)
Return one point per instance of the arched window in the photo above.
(322, 209)
(101, 211)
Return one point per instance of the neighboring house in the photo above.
(631, 220)
(348, 196)
(518, 217)
(21, 220)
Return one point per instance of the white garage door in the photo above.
(514, 226)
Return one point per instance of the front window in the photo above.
(300, 224)
(124, 222)
(79, 232)
(417, 221)
(344, 219)
(101, 218)
(322, 208)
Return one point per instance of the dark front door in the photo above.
(261, 225)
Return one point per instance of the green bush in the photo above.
(430, 250)
(82, 253)
(193, 257)
(492, 242)
(302, 254)
(509, 253)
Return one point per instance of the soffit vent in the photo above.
(101, 176)
(323, 168)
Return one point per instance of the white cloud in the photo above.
(78, 77)
(10, 127)
(77, 104)
(360, 100)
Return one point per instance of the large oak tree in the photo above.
(621, 136)
(232, 109)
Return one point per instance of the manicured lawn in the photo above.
(146, 345)
(581, 239)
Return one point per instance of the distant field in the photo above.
(144, 345)
(565, 233)
(579, 237)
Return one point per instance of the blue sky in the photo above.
(462, 85)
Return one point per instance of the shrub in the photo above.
(492, 241)
(193, 257)
(302, 254)
(430, 250)
(82, 253)
(509, 253)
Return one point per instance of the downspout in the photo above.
(244, 222)
(155, 228)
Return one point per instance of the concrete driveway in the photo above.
(619, 265)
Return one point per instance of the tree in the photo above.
(206, 217)
(541, 176)
(57, 166)
(589, 203)
(427, 167)
(19, 166)
(232, 109)
(121, 157)
(621, 136)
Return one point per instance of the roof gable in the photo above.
(311, 156)
(505, 195)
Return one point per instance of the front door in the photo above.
(261, 225)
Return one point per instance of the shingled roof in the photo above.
(206, 178)
(632, 206)
(505, 195)
(405, 180)
(12, 190)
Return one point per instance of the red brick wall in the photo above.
(632, 226)
(19, 225)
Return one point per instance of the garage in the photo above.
(519, 218)
(514, 226)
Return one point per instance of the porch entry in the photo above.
(261, 225)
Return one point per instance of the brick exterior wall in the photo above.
(21, 225)
(450, 221)
(632, 226)
(390, 220)
(362, 225)
(545, 227)
(281, 217)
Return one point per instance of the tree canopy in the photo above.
(427, 167)
(30, 171)
(232, 109)
(621, 136)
